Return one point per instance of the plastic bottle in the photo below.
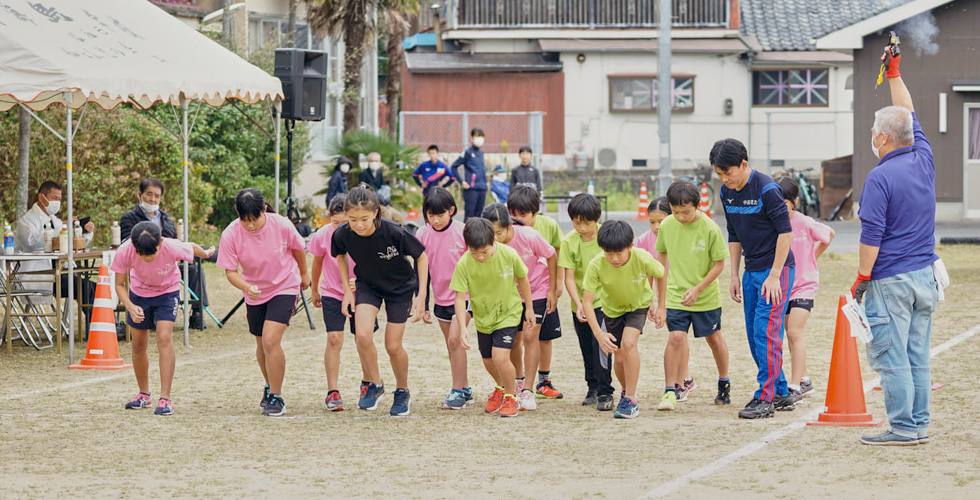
(591, 189)
(180, 229)
(63, 239)
(116, 234)
(78, 229)
(48, 237)
(8, 241)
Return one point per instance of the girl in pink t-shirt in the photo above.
(810, 239)
(271, 255)
(151, 262)
(542, 267)
(444, 245)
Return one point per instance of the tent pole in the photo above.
(66, 97)
(278, 116)
(185, 136)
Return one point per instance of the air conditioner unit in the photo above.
(606, 157)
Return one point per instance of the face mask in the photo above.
(345, 168)
(500, 177)
(478, 141)
(875, 149)
(150, 209)
(374, 165)
(53, 207)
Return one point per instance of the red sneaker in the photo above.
(495, 399)
(546, 390)
(510, 406)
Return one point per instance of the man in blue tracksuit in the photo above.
(759, 229)
(473, 175)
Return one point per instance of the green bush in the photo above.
(401, 161)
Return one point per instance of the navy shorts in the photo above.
(502, 338)
(634, 319)
(705, 323)
(159, 308)
(397, 307)
(334, 318)
(799, 303)
(447, 313)
(539, 306)
(278, 309)
(551, 327)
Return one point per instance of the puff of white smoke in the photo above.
(920, 33)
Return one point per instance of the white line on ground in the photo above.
(677, 483)
(129, 373)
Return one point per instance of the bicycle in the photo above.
(809, 195)
(702, 175)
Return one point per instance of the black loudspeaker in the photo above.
(303, 74)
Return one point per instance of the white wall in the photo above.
(801, 136)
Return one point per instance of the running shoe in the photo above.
(546, 390)
(724, 396)
(402, 403)
(757, 408)
(333, 401)
(370, 397)
(795, 395)
(456, 400)
(690, 385)
(627, 409)
(785, 402)
(495, 400)
(364, 386)
(164, 407)
(681, 393)
(509, 407)
(518, 386)
(275, 407)
(468, 394)
(806, 387)
(142, 400)
(265, 397)
(604, 403)
(591, 398)
(668, 401)
(528, 403)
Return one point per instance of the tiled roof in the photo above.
(794, 24)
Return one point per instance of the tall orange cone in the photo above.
(845, 391)
(102, 352)
(705, 205)
(641, 213)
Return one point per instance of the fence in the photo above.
(505, 132)
(584, 13)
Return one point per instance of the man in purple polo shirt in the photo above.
(896, 278)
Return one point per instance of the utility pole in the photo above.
(23, 161)
(664, 96)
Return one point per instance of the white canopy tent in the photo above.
(110, 52)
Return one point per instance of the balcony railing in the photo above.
(490, 14)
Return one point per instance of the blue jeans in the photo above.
(765, 328)
(899, 309)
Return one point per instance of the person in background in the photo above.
(338, 179)
(374, 177)
(473, 175)
(500, 186)
(433, 172)
(526, 174)
(148, 209)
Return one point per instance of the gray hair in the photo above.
(896, 123)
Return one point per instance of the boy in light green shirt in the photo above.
(523, 203)
(578, 248)
(622, 273)
(689, 296)
(488, 271)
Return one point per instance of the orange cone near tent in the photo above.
(102, 352)
(641, 213)
(705, 205)
(845, 404)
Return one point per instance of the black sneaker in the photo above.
(786, 402)
(275, 407)
(265, 398)
(605, 403)
(591, 398)
(197, 320)
(757, 408)
(724, 396)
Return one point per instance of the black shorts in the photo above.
(705, 323)
(159, 308)
(397, 307)
(551, 327)
(540, 306)
(278, 309)
(447, 313)
(800, 303)
(633, 319)
(334, 318)
(502, 338)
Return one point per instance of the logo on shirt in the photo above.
(526, 253)
(283, 244)
(699, 246)
(750, 202)
(507, 273)
(731, 200)
(165, 270)
(391, 253)
(458, 249)
(639, 279)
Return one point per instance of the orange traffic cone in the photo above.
(845, 392)
(102, 352)
(705, 205)
(641, 213)
(412, 214)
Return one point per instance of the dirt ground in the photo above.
(65, 434)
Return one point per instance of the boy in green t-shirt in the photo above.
(696, 250)
(578, 248)
(523, 203)
(623, 275)
(487, 271)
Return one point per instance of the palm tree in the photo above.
(396, 15)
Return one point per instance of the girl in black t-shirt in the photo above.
(381, 250)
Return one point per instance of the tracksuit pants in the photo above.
(765, 328)
(473, 201)
(598, 365)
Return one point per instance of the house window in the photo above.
(639, 93)
(795, 87)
